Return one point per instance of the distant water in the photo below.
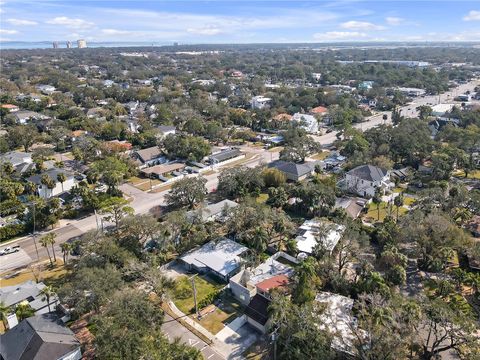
(6, 45)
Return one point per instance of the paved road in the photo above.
(408, 111)
(173, 330)
(142, 203)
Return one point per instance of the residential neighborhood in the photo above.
(255, 201)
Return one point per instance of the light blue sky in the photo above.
(240, 21)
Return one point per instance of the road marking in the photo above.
(210, 356)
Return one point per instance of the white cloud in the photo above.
(339, 35)
(117, 32)
(473, 15)
(10, 32)
(20, 22)
(71, 23)
(207, 30)
(393, 20)
(361, 25)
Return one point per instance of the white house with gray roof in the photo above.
(220, 258)
(364, 180)
(59, 188)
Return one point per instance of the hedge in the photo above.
(10, 231)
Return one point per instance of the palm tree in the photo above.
(48, 182)
(31, 188)
(23, 311)
(66, 248)
(49, 239)
(47, 292)
(398, 201)
(377, 199)
(4, 310)
(61, 179)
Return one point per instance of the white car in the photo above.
(10, 250)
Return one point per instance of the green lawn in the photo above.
(321, 156)
(407, 200)
(262, 198)
(373, 213)
(183, 292)
(228, 310)
(472, 175)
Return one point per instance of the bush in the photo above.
(210, 298)
(10, 231)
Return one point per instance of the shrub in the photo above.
(10, 231)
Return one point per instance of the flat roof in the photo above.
(310, 234)
(221, 256)
(162, 169)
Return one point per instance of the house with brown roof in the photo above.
(149, 156)
(474, 226)
(161, 171)
(10, 107)
(319, 110)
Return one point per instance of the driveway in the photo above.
(235, 338)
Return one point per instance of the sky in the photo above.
(201, 22)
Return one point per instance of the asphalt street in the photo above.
(173, 329)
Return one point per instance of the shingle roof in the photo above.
(15, 157)
(257, 309)
(278, 281)
(42, 337)
(226, 155)
(368, 172)
(52, 173)
(291, 168)
(149, 153)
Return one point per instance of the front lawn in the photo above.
(228, 309)
(183, 292)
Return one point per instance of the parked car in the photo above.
(10, 250)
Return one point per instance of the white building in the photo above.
(59, 188)
(441, 109)
(364, 180)
(81, 43)
(308, 122)
(315, 231)
(46, 89)
(260, 102)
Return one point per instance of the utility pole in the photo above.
(33, 233)
(274, 340)
(96, 217)
(192, 279)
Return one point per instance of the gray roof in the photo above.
(213, 210)
(27, 114)
(30, 291)
(368, 172)
(221, 256)
(148, 154)
(41, 337)
(298, 170)
(37, 179)
(226, 155)
(15, 157)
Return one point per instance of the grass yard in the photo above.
(183, 292)
(373, 212)
(321, 156)
(408, 200)
(227, 310)
(146, 185)
(44, 273)
(475, 174)
(262, 198)
(135, 180)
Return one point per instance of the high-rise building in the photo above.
(81, 43)
(55, 45)
(69, 45)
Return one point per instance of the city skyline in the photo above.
(239, 22)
